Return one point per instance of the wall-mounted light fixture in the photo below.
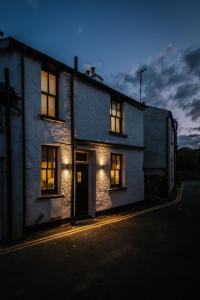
(66, 166)
(101, 167)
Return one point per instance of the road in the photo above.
(155, 255)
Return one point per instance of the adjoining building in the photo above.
(160, 139)
(76, 144)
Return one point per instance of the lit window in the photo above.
(48, 94)
(116, 116)
(48, 169)
(115, 172)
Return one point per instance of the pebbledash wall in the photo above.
(92, 125)
(92, 134)
(44, 208)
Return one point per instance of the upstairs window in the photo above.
(116, 116)
(49, 169)
(116, 170)
(48, 94)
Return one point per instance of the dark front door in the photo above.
(81, 208)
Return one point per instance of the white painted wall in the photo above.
(44, 132)
(92, 122)
(92, 117)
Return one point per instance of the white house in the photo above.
(160, 135)
(76, 144)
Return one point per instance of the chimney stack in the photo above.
(93, 71)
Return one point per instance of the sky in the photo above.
(120, 37)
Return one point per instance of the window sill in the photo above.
(118, 134)
(51, 196)
(119, 188)
(48, 118)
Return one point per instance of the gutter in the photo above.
(72, 153)
(8, 157)
(167, 152)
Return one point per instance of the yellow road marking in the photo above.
(89, 227)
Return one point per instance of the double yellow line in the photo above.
(73, 231)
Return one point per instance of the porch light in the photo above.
(101, 167)
(66, 166)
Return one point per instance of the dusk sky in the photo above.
(120, 37)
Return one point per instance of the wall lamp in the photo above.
(66, 166)
(101, 167)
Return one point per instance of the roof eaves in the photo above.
(20, 45)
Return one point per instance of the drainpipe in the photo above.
(175, 152)
(8, 156)
(23, 138)
(167, 152)
(73, 154)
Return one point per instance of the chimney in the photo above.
(87, 72)
(76, 63)
(93, 71)
(1, 35)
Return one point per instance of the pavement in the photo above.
(147, 255)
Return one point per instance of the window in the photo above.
(49, 169)
(48, 94)
(81, 157)
(116, 116)
(116, 170)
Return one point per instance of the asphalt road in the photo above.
(151, 256)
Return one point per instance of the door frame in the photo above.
(91, 162)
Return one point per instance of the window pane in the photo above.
(116, 177)
(118, 125)
(44, 81)
(51, 179)
(52, 84)
(43, 180)
(112, 178)
(118, 162)
(52, 109)
(118, 109)
(114, 108)
(113, 167)
(51, 158)
(112, 124)
(44, 104)
(44, 158)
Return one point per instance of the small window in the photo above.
(116, 116)
(81, 157)
(48, 94)
(116, 170)
(49, 169)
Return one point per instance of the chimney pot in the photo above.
(93, 71)
(87, 73)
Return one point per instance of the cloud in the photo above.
(192, 59)
(190, 140)
(171, 81)
(194, 111)
(196, 128)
